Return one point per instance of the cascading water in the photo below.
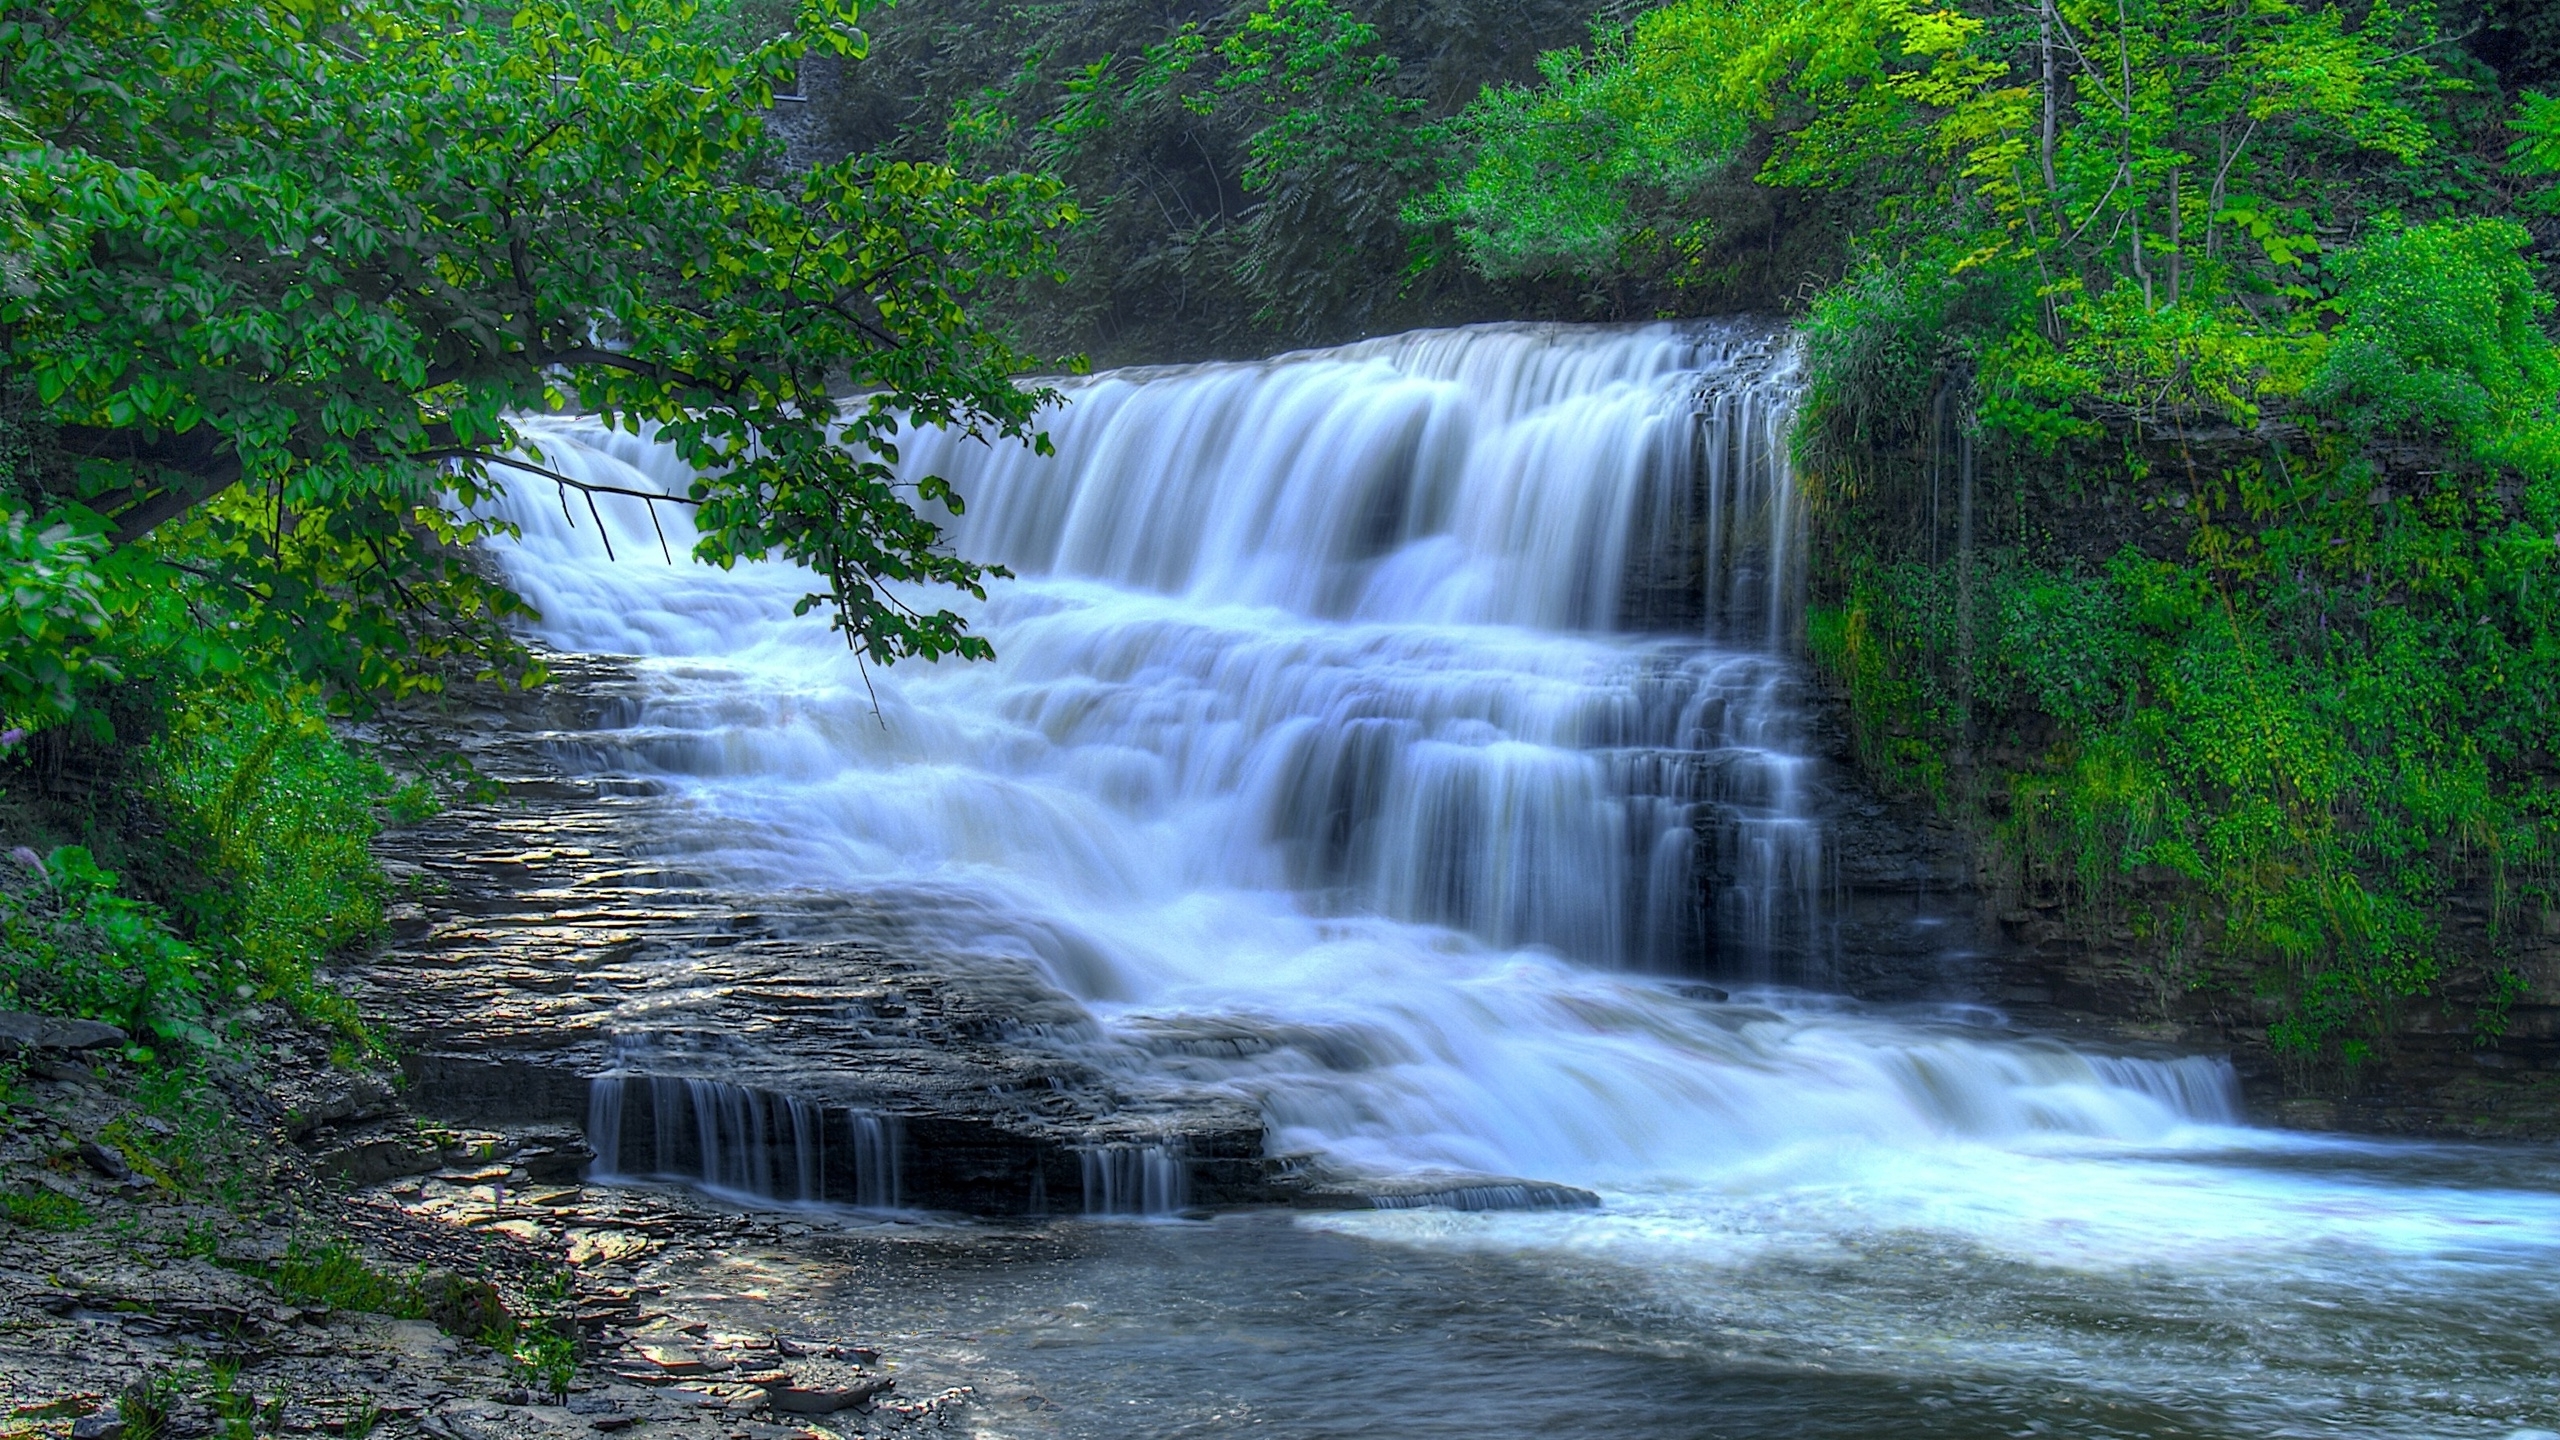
(1133, 1180)
(741, 1140)
(1422, 708)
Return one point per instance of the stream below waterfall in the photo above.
(1406, 737)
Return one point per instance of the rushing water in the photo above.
(1335, 706)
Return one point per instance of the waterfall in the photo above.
(741, 1140)
(1134, 1180)
(1421, 708)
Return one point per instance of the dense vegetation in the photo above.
(1242, 170)
(2183, 421)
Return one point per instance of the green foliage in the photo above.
(2089, 211)
(181, 1135)
(2535, 152)
(1897, 724)
(71, 945)
(274, 815)
(43, 1210)
(286, 280)
(333, 1273)
(280, 815)
(1335, 152)
(148, 1404)
(2194, 276)
(238, 1414)
(542, 1349)
(1573, 175)
(2443, 337)
(2287, 747)
(1239, 171)
(52, 614)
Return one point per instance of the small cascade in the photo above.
(1134, 1180)
(741, 1140)
(876, 1140)
(2202, 1086)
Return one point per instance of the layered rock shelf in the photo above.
(551, 967)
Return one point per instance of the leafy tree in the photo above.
(289, 270)
(1240, 167)
(1335, 155)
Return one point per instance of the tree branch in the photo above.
(585, 487)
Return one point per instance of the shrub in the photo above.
(71, 945)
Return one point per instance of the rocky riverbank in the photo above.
(184, 1267)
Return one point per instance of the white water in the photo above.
(1311, 726)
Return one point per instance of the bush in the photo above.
(281, 814)
(70, 945)
(2443, 337)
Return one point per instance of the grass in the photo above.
(334, 1274)
(44, 1210)
(542, 1350)
(148, 1404)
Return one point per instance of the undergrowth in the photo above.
(256, 868)
(2273, 761)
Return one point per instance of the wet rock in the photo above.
(826, 1399)
(333, 1098)
(672, 1361)
(823, 1350)
(555, 1159)
(1443, 1190)
(97, 1427)
(374, 1160)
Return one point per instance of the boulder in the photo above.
(21, 1031)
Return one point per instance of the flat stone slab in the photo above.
(20, 1030)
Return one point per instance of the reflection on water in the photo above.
(1312, 734)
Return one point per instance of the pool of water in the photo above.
(2397, 1307)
